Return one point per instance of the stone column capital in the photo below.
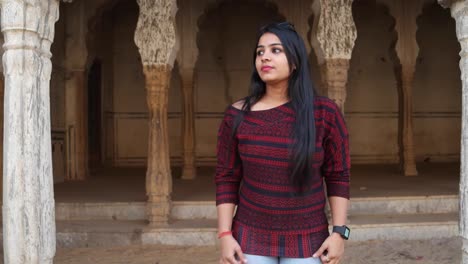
(155, 34)
(334, 31)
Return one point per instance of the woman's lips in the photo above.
(266, 68)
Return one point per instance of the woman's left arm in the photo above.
(336, 173)
(334, 244)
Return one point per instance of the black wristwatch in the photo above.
(342, 230)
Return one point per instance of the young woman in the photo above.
(276, 149)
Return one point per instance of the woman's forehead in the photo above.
(268, 39)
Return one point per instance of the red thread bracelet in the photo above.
(225, 233)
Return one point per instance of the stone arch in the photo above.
(213, 11)
(372, 101)
(93, 18)
(111, 38)
(437, 87)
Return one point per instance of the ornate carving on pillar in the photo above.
(405, 14)
(459, 12)
(155, 37)
(188, 125)
(158, 175)
(335, 73)
(28, 208)
(333, 37)
(155, 34)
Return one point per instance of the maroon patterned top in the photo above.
(252, 172)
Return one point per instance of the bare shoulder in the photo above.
(238, 104)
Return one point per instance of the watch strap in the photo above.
(342, 230)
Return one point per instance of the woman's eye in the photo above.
(260, 52)
(276, 50)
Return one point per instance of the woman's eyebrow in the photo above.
(272, 44)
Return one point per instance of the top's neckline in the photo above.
(263, 110)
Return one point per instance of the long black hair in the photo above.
(301, 95)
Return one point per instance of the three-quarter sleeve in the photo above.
(229, 167)
(336, 166)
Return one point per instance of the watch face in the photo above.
(346, 232)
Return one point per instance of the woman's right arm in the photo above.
(228, 177)
(230, 250)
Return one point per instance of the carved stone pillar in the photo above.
(333, 36)
(77, 125)
(459, 10)
(405, 14)
(2, 89)
(28, 208)
(158, 175)
(335, 75)
(186, 58)
(188, 126)
(76, 91)
(156, 40)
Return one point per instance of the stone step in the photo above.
(435, 204)
(358, 206)
(207, 209)
(203, 232)
(100, 211)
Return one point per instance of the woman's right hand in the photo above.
(231, 253)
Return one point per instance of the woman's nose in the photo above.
(265, 57)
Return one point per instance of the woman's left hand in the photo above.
(334, 245)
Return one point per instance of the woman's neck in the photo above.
(276, 93)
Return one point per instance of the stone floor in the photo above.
(441, 251)
(379, 180)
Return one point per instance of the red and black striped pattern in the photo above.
(252, 172)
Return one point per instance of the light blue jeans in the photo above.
(254, 259)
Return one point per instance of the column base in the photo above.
(409, 169)
(189, 172)
(158, 210)
(464, 251)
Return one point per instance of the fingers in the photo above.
(328, 259)
(236, 258)
(325, 259)
(241, 256)
(320, 251)
(229, 260)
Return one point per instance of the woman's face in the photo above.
(271, 62)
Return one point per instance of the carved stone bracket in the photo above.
(155, 37)
(333, 37)
(28, 210)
